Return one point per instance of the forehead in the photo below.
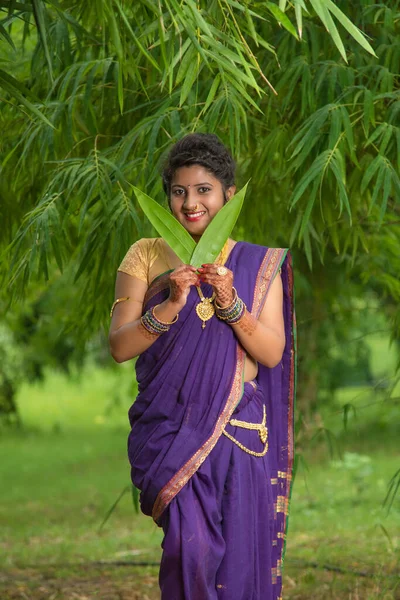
(192, 175)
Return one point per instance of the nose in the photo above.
(189, 202)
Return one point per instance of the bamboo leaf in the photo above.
(191, 75)
(13, 88)
(378, 185)
(369, 173)
(39, 12)
(212, 92)
(307, 247)
(176, 236)
(135, 38)
(387, 188)
(299, 18)
(309, 207)
(369, 110)
(4, 34)
(324, 15)
(350, 27)
(343, 198)
(219, 230)
(282, 19)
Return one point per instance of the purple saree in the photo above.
(222, 509)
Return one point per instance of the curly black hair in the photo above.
(205, 149)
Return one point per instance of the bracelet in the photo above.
(227, 308)
(116, 302)
(233, 313)
(164, 322)
(153, 324)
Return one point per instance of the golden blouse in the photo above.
(145, 259)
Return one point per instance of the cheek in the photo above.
(215, 204)
(175, 205)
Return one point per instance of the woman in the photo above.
(211, 442)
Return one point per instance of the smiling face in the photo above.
(196, 197)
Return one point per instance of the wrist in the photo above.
(171, 307)
(234, 312)
(226, 303)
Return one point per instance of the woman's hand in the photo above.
(222, 284)
(180, 281)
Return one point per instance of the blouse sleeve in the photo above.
(135, 262)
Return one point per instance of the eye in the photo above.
(204, 189)
(178, 191)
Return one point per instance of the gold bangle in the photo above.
(165, 322)
(116, 302)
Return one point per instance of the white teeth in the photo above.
(195, 214)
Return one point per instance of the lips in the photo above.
(195, 216)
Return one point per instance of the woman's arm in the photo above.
(264, 338)
(128, 337)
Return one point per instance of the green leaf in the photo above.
(369, 173)
(378, 186)
(4, 34)
(218, 231)
(387, 188)
(13, 87)
(135, 38)
(191, 76)
(176, 236)
(212, 92)
(324, 15)
(350, 27)
(39, 12)
(299, 18)
(282, 19)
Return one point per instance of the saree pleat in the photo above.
(190, 383)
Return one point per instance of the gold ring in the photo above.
(222, 270)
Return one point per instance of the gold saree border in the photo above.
(271, 264)
(291, 403)
(171, 489)
(266, 272)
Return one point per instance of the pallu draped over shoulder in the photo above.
(190, 386)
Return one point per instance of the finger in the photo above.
(187, 283)
(214, 278)
(182, 274)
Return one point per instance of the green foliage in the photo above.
(120, 82)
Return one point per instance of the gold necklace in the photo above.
(205, 308)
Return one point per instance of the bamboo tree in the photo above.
(95, 93)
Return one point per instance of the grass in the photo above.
(64, 470)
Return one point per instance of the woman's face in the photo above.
(196, 197)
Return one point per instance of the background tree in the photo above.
(95, 93)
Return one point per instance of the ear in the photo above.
(231, 191)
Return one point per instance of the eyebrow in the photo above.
(194, 185)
